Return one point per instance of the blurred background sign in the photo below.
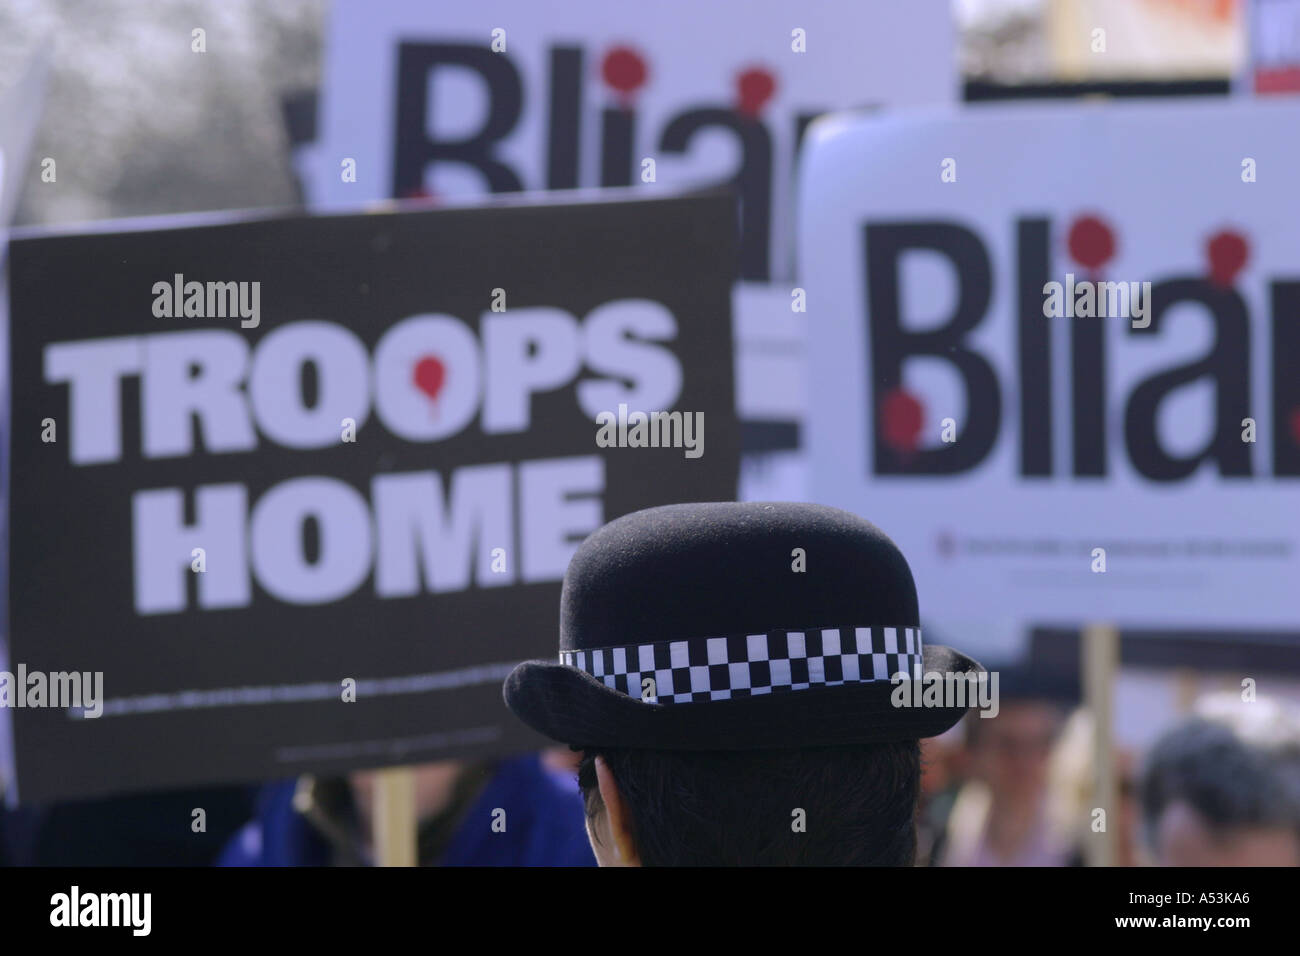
(1143, 38)
(455, 100)
(20, 114)
(1072, 41)
(1274, 46)
(505, 96)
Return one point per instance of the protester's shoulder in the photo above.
(542, 817)
(255, 843)
(528, 775)
(556, 833)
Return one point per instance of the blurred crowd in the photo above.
(1221, 787)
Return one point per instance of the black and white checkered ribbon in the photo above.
(744, 665)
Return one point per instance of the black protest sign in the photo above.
(303, 489)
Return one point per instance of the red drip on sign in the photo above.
(429, 376)
(755, 87)
(1091, 242)
(1227, 252)
(901, 418)
(624, 71)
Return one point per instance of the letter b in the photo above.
(891, 345)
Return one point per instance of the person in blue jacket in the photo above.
(514, 812)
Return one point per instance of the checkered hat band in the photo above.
(745, 665)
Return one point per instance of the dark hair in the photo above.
(1229, 782)
(737, 808)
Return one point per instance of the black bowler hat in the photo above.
(689, 627)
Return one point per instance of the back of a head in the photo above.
(841, 806)
(1233, 780)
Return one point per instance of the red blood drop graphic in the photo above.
(755, 88)
(901, 418)
(623, 70)
(1091, 242)
(430, 373)
(1227, 252)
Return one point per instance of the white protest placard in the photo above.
(1054, 357)
(461, 100)
(506, 95)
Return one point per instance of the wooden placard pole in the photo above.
(1186, 690)
(1100, 652)
(393, 826)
